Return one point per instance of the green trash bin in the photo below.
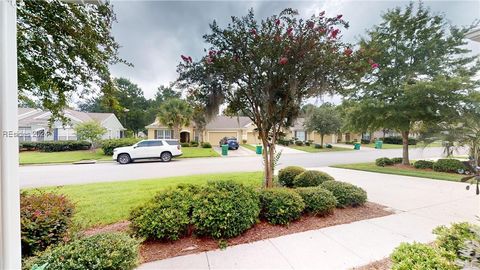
(225, 150)
(356, 146)
(258, 149)
(378, 144)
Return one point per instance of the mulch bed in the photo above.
(152, 250)
(384, 264)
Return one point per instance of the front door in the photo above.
(184, 137)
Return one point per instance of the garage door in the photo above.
(215, 137)
(252, 138)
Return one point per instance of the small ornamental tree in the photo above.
(266, 69)
(324, 120)
(423, 73)
(91, 131)
(175, 113)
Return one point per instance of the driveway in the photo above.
(54, 175)
(240, 152)
(420, 205)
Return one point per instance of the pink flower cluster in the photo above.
(187, 59)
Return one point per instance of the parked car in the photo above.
(164, 150)
(232, 143)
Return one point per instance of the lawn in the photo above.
(106, 203)
(35, 157)
(194, 152)
(312, 149)
(250, 147)
(371, 167)
(398, 146)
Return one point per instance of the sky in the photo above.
(153, 34)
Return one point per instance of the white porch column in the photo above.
(10, 253)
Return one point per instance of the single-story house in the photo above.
(241, 128)
(33, 125)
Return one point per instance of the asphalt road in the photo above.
(56, 175)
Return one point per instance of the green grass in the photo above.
(399, 146)
(106, 203)
(312, 149)
(250, 147)
(371, 167)
(195, 152)
(35, 157)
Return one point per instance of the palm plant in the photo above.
(175, 113)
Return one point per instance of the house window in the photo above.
(163, 134)
(67, 134)
(300, 135)
(25, 134)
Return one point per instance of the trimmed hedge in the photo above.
(298, 143)
(194, 144)
(225, 209)
(45, 220)
(109, 145)
(318, 201)
(449, 165)
(399, 140)
(281, 205)
(421, 256)
(454, 238)
(318, 146)
(107, 251)
(384, 161)
(397, 160)
(166, 216)
(287, 174)
(55, 146)
(346, 193)
(311, 179)
(423, 164)
(206, 145)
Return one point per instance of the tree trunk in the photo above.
(268, 180)
(176, 132)
(321, 139)
(406, 160)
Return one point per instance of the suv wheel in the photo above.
(124, 158)
(166, 156)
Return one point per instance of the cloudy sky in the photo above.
(153, 34)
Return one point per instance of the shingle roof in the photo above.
(41, 117)
(227, 122)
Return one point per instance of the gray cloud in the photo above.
(153, 34)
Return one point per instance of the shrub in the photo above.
(206, 145)
(449, 165)
(454, 238)
(166, 216)
(225, 209)
(384, 161)
(346, 194)
(60, 146)
(101, 251)
(283, 142)
(184, 144)
(281, 205)
(399, 140)
(423, 164)
(311, 179)
(318, 201)
(109, 145)
(328, 145)
(298, 143)
(194, 144)
(318, 146)
(397, 160)
(365, 141)
(307, 143)
(28, 146)
(287, 174)
(421, 256)
(45, 219)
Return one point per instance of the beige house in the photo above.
(241, 128)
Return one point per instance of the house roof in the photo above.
(218, 122)
(30, 116)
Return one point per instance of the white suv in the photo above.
(147, 149)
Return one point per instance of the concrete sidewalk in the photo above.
(420, 205)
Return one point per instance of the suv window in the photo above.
(155, 143)
(172, 142)
(143, 144)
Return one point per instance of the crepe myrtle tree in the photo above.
(423, 73)
(266, 69)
